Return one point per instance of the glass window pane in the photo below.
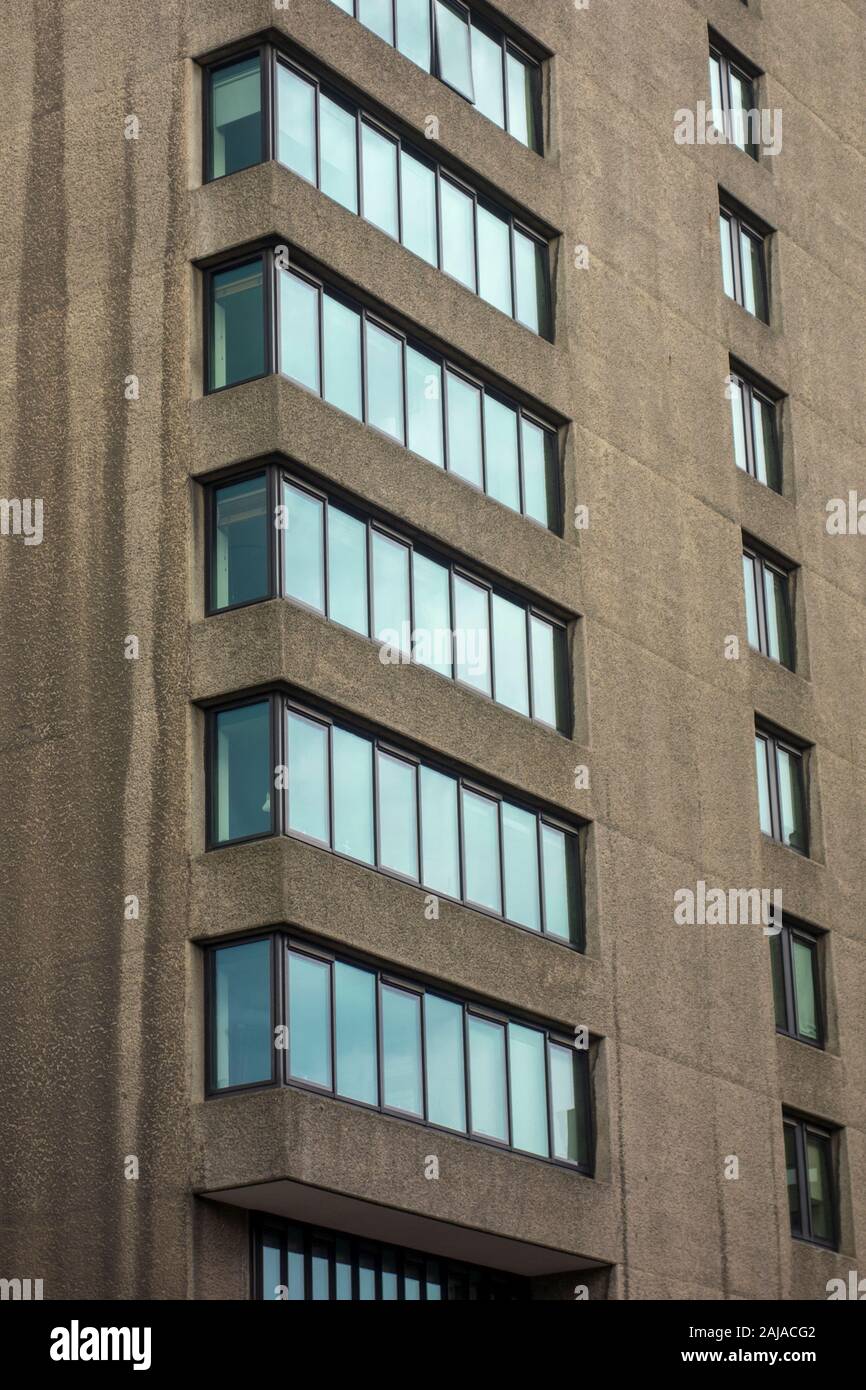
(424, 406)
(523, 83)
(778, 971)
(487, 69)
(464, 430)
(367, 1276)
(727, 256)
(347, 570)
(472, 633)
(453, 48)
(716, 106)
(805, 962)
(778, 619)
(520, 857)
(530, 278)
(296, 122)
(411, 1281)
(271, 1282)
(440, 849)
(528, 1089)
(242, 775)
(413, 31)
(237, 349)
(380, 180)
(487, 1078)
(309, 1020)
(481, 851)
(339, 152)
(549, 675)
(389, 1275)
(741, 457)
(434, 1282)
(343, 1268)
(304, 547)
(820, 1186)
(320, 1262)
(342, 353)
(378, 16)
(242, 1015)
(503, 469)
(494, 260)
(239, 572)
(753, 275)
(458, 236)
(764, 808)
(446, 1080)
(355, 1006)
(308, 778)
(236, 117)
(353, 795)
(510, 658)
(561, 916)
(751, 602)
(385, 382)
(347, 5)
(792, 1180)
(768, 464)
(295, 1263)
(539, 473)
(392, 618)
(432, 618)
(398, 816)
(419, 208)
(791, 797)
(741, 105)
(569, 1132)
(299, 330)
(401, 1049)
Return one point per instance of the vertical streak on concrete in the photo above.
(617, 1122)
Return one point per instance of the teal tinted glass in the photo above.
(299, 330)
(401, 1050)
(530, 279)
(418, 182)
(738, 420)
(539, 474)
(561, 917)
(487, 71)
(725, 237)
(339, 152)
(237, 348)
(242, 772)
(472, 633)
(271, 1282)
(240, 551)
(342, 357)
(309, 796)
(446, 1079)
(792, 1180)
(347, 570)
(481, 851)
(528, 1084)
(510, 655)
(242, 1015)
(767, 461)
(320, 1269)
(494, 259)
(353, 795)
(398, 816)
(487, 1092)
(458, 233)
(569, 1134)
(520, 858)
(385, 382)
(236, 116)
(792, 799)
(378, 16)
(550, 685)
(779, 635)
(805, 960)
(413, 31)
(820, 1186)
(296, 122)
(379, 156)
(309, 1020)
(453, 48)
(761, 765)
(304, 547)
(424, 406)
(503, 469)
(464, 430)
(523, 84)
(432, 600)
(440, 850)
(391, 607)
(754, 291)
(355, 1007)
(343, 1268)
(751, 601)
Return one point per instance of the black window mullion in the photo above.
(539, 843)
(760, 601)
(467, 1080)
(737, 258)
(501, 837)
(530, 672)
(747, 409)
(773, 779)
(788, 980)
(503, 67)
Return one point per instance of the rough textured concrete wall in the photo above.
(100, 757)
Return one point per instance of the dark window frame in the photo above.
(276, 473)
(282, 704)
(764, 560)
(814, 940)
(503, 41)
(774, 741)
(740, 224)
(751, 389)
(513, 1288)
(266, 141)
(408, 340)
(287, 941)
(730, 62)
(802, 1126)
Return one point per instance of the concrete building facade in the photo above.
(714, 1144)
